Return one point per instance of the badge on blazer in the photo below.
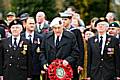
(23, 52)
(20, 45)
(108, 41)
(24, 49)
(110, 51)
(38, 48)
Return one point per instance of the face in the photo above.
(102, 27)
(88, 34)
(10, 18)
(40, 18)
(113, 31)
(16, 30)
(30, 24)
(75, 22)
(66, 22)
(57, 29)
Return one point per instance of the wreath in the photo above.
(57, 71)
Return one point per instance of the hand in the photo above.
(45, 66)
(65, 63)
(42, 72)
(88, 78)
(29, 78)
(1, 77)
(118, 78)
(79, 69)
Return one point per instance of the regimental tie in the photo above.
(15, 43)
(30, 40)
(100, 43)
(57, 41)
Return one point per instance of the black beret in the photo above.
(102, 19)
(15, 22)
(24, 16)
(114, 24)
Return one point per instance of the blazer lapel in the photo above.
(10, 42)
(96, 43)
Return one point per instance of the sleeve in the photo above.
(117, 57)
(89, 58)
(74, 56)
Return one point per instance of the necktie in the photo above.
(57, 41)
(30, 40)
(100, 43)
(15, 42)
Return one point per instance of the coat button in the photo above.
(101, 66)
(11, 57)
(10, 64)
(102, 59)
(18, 58)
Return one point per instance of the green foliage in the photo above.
(86, 8)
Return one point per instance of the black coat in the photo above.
(80, 43)
(2, 32)
(15, 64)
(35, 53)
(67, 48)
(106, 66)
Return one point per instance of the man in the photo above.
(66, 17)
(111, 17)
(23, 18)
(114, 30)
(59, 44)
(15, 56)
(103, 54)
(10, 17)
(42, 25)
(35, 41)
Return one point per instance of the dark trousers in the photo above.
(36, 77)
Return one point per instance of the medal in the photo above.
(23, 52)
(24, 47)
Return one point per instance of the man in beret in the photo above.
(103, 54)
(15, 56)
(10, 17)
(114, 29)
(59, 44)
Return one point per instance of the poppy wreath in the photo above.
(57, 71)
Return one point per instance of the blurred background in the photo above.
(86, 8)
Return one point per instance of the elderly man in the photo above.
(42, 25)
(114, 29)
(103, 54)
(59, 44)
(15, 57)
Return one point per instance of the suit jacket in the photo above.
(67, 48)
(35, 52)
(106, 66)
(16, 63)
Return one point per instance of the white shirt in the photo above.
(17, 39)
(56, 38)
(32, 36)
(103, 43)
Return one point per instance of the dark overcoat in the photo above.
(15, 64)
(66, 50)
(106, 66)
